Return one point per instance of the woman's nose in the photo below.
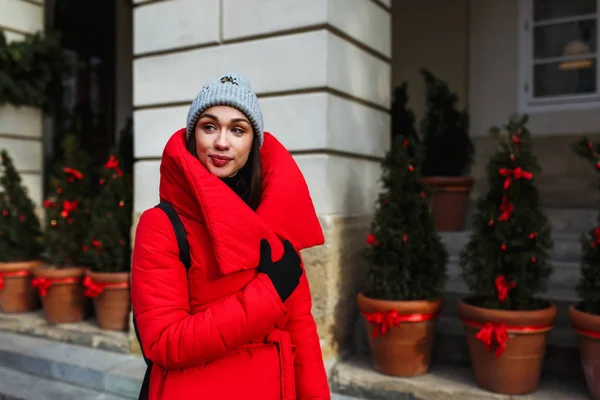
(222, 142)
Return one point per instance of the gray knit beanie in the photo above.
(232, 90)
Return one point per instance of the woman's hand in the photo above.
(284, 274)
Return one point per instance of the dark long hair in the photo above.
(247, 183)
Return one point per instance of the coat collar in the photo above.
(285, 212)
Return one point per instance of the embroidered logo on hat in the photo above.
(229, 79)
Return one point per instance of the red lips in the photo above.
(219, 161)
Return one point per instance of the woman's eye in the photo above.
(238, 131)
(209, 127)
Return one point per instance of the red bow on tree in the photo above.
(74, 174)
(68, 208)
(113, 163)
(503, 286)
(515, 173)
(507, 209)
(493, 336)
(382, 321)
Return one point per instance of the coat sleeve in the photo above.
(309, 369)
(170, 336)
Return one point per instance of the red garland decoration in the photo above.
(384, 321)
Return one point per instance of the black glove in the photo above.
(284, 274)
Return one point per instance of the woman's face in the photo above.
(223, 140)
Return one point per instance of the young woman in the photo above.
(238, 324)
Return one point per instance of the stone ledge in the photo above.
(356, 377)
(84, 333)
(15, 385)
(91, 369)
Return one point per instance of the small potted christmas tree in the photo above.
(107, 248)
(407, 261)
(67, 222)
(506, 266)
(20, 247)
(449, 154)
(585, 316)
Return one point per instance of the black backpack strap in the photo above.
(184, 249)
(184, 256)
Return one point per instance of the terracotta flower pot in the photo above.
(61, 292)
(110, 293)
(402, 348)
(16, 293)
(450, 200)
(588, 328)
(515, 369)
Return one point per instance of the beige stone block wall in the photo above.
(336, 273)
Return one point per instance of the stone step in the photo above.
(566, 245)
(93, 369)
(561, 284)
(573, 221)
(15, 385)
(85, 333)
(357, 377)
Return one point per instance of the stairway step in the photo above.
(358, 378)
(92, 369)
(561, 284)
(566, 245)
(15, 385)
(572, 220)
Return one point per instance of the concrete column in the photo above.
(321, 69)
(21, 128)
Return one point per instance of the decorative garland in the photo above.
(30, 70)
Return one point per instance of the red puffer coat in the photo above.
(222, 332)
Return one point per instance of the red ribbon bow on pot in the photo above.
(12, 274)
(43, 284)
(493, 335)
(503, 286)
(94, 289)
(382, 321)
